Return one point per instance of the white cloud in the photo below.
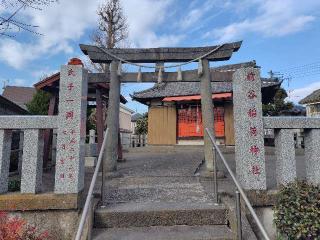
(272, 18)
(297, 94)
(60, 23)
(200, 12)
(19, 82)
(144, 17)
(67, 21)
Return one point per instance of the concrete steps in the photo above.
(181, 232)
(159, 214)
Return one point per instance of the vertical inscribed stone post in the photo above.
(285, 156)
(69, 176)
(5, 150)
(31, 178)
(207, 113)
(312, 155)
(248, 125)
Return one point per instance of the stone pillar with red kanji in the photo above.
(248, 125)
(69, 176)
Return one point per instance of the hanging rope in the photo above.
(159, 67)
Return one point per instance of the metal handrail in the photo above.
(245, 198)
(93, 182)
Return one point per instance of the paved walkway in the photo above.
(167, 174)
(158, 175)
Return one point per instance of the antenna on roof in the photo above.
(5, 82)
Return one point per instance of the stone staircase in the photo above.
(158, 197)
(161, 221)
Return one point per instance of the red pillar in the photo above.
(99, 117)
(120, 156)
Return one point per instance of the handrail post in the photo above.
(215, 180)
(238, 213)
(236, 182)
(89, 198)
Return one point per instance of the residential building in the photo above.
(312, 103)
(19, 95)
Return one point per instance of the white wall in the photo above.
(125, 117)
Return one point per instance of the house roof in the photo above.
(19, 95)
(311, 98)
(135, 117)
(13, 107)
(172, 89)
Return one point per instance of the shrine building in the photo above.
(174, 108)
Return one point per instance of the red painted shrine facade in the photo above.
(174, 109)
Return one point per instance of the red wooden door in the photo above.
(190, 122)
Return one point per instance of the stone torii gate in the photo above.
(158, 56)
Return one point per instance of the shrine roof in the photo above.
(51, 84)
(172, 89)
(314, 97)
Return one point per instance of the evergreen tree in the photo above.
(39, 104)
(278, 104)
(142, 125)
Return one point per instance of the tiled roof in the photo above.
(172, 89)
(311, 98)
(11, 107)
(19, 95)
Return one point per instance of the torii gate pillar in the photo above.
(111, 152)
(207, 113)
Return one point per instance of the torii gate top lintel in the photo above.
(153, 55)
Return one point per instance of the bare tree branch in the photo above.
(112, 28)
(12, 8)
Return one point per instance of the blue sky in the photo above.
(280, 35)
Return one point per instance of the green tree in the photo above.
(39, 104)
(278, 104)
(142, 125)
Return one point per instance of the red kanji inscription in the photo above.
(70, 86)
(251, 94)
(73, 141)
(69, 115)
(255, 170)
(252, 112)
(71, 72)
(253, 131)
(251, 76)
(254, 150)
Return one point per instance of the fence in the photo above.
(128, 140)
(284, 129)
(250, 128)
(70, 127)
